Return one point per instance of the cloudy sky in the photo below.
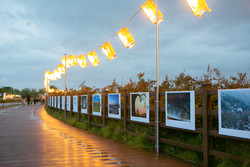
(35, 34)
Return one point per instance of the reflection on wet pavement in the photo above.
(36, 139)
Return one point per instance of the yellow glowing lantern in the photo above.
(67, 62)
(72, 60)
(82, 61)
(51, 76)
(93, 58)
(57, 74)
(46, 75)
(108, 50)
(61, 68)
(198, 7)
(126, 37)
(150, 10)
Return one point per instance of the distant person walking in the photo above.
(23, 99)
(28, 99)
(43, 99)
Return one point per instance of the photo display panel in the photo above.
(139, 107)
(114, 105)
(97, 105)
(234, 112)
(75, 103)
(58, 102)
(84, 104)
(180, 109)
(68, 103)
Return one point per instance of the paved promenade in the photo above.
(30, 137)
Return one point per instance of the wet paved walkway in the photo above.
(31, 137)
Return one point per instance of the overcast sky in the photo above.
(35, 34)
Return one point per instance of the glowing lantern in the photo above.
(93, 58)
(108, 50)
(126, 38)
(82, 61)
(61, 68)
(51, 76)
(67, 62)
(198, 7)
(57, 74)
(150, 10)
(72, 60)
(46, 75)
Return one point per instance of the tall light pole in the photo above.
(157, 77)
(65, 92)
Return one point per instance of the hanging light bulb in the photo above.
(61, 68)
(126, 38)
(108, 50)
(93, 58)
(82, 61)
(198, 7)
(149, 9)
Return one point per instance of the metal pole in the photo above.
(157, 78)
(65, 88)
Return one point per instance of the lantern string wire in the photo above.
(122, 27)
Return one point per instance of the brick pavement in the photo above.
(31, 137)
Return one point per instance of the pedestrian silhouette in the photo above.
(28, 99)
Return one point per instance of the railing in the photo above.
(3, 105)
(205, 112)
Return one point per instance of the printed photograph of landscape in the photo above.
(96, 107)
(84, 101)
(139, 104)
(178, 106)
(235, 109)
(114, 103)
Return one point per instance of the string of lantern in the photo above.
(198, 7)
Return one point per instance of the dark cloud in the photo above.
(36, 34)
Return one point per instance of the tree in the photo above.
(166, 84)
(41, 91)
(185, 82)
(53, 87)
(112, 87)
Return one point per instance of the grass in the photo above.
(114, 130)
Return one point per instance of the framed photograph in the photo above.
(58, 102)
(68, 103)
(180, 109)
(63, 103)
(84, 104)
(97, 105)
(48, 102)
(139, 107)
(234, 112)
(114, 106)
(75, 103)
(55, 101)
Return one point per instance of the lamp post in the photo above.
(65, 88)
(157, 78)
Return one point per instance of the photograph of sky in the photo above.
(35, 35)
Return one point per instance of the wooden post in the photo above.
(205, 88)
(104, 110)
(125, 112)
(79, 107)
(89, 112)
(71, 106)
